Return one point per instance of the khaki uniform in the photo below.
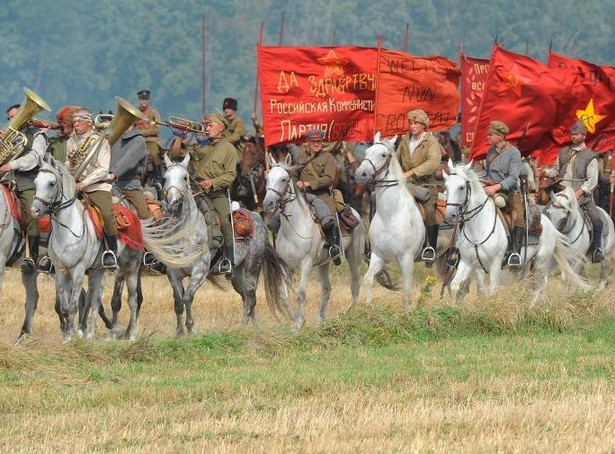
(320, 173)
(57, 147)
(94, 177)
(216, 162)
(150, 133)
(425, 161)
(235, 130)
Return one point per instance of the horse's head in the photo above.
(377, 159)
(176, 181)
(279, 184)
(457, 190)
(561, 206)
(52, 182)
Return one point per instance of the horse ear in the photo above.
(167, 161)
(451, 165)
(186, 160)
(288, 160)
(272, 160)
(377, 137)
(444, 174)
(392, 141)
(468, 166)
(551, 194)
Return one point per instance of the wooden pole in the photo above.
(406, 37)
(259, 41)
(203, 77)
(281, 29)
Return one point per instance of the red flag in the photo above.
(317, 87)
(473, 75)
(595, 95)
(526, 95)
(407, 82)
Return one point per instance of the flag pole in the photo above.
(406, 37)
(333, 38)
(259, 41)
(281, 29)
(203, 77)
(377, 83)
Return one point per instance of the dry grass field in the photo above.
(488, 375)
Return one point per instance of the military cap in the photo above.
(229, 103)
(65, 114)
(143, 94)
(315, 134)
(217, 117)
(498, 128)
(578, 128)
(419, 116)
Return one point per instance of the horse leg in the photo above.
(196, 280)
(132, 282)
(178, 304)
(462, 274)
(303, 280)
(354, 258)
(495, 270)
(95, 284)
(407, 268)
(31, 303)
(116, 303)
(245, 286)
(480, 282)
(325, 292)
(375, 265)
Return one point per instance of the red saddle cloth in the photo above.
(19, 214)
(128, 226)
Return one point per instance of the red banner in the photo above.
(331, 88)
(407, 82)
(595, 106)
(473, 77)
(528, 96)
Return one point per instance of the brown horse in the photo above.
(249, 186)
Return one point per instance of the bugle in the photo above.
(182, 124)
(44, 124)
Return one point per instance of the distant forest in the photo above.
(86, 52)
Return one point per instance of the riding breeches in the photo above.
(26, 197)
(102, 201)
(430, 206)
(223, 210)
(514, 205)
(137, 199)
(323, 211)
(592, 211)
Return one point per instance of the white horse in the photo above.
(11, 249)
(482, 240)
(396, 231)
(564, 212)
(75, 249)
(300, 242)
(180, 241)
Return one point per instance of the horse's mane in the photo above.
(62, 175)
(170, 238)
(567, 199)
(394, 166)
(470, 176)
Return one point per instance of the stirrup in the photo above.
(224, 266)
(597, 255)
(428, 256)
(149, 259)
(27, 265)
(109, 260)
(514, 261)
(45, 265)
(335, 254)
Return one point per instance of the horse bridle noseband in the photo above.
(383, 183)
(53, 207)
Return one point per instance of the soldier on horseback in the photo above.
(503, 168)
(419, 156)
(577, 168)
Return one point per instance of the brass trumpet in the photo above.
(44, 124)
(182, 124)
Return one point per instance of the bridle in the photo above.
(381, 183)
(285, 196)
(565, 221)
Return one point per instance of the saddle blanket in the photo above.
(128, 226)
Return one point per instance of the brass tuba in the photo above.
(126, 115)
(13, 141)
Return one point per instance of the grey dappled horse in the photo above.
(564, 212)
(74, 249)
(180, 241)
(300, 242)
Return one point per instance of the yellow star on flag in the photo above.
(589, 117)
(514, 80)
(333, 64)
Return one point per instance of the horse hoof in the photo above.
(79, 334)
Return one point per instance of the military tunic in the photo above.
(235, 130)
(217, 162)
(424, 161)
(150, 133)
(505, 167)
(320, 174)
(128, 165)
(57, 147)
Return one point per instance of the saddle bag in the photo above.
(348, 218)
(154, 209)
(243, 224)
(121, 219)
(420, 193)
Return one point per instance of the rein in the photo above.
(282, 201)
(54, 207)
(566, 220)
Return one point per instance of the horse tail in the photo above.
(568, 259)
(276, 273)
